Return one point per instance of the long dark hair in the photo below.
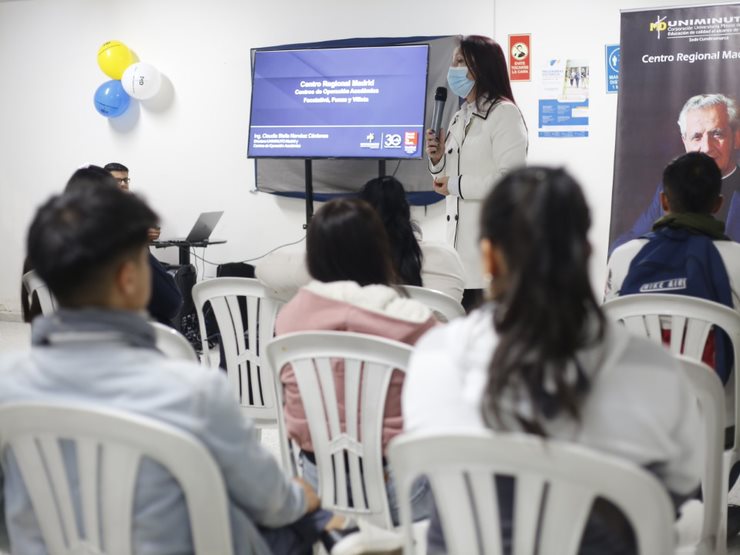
(90, 176)
(388, 197)
(486, 61)
(546, 309)
(346, 241)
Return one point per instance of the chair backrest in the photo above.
(109, 447)
(349, 460)
(707, 388)
(245, 315)
(690, 321)
(33, 284)
(445, 308)
(556, 484)
(173, 344)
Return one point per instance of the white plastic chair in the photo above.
(109, 447)
(445, 308)
(243, 345)
(173, 344)
(707, 387)
(33, 284)
(690, 320)
(369, 362)
(556, 484)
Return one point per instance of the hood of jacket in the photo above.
(380, 299)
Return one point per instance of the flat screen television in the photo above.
(358, 102)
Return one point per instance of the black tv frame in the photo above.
(320, 46)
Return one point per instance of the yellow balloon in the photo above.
(114, 57)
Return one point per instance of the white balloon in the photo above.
(141, 80)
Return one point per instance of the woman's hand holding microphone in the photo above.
(435, 147)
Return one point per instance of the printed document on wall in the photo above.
(563, 102)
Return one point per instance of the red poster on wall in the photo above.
(519, 57)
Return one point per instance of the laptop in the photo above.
(204, 226)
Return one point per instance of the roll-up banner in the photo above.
(678, 86)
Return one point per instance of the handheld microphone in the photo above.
(440, 97)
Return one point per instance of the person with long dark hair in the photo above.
(434, 265)
(486, 139)
(353, 289)
(387, 196)
(541, 358)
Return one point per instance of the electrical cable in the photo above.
(248, 259)
(195, 265)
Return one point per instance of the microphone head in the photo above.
(441, 94)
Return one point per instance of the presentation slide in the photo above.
(363, 102)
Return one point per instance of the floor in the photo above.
(15, 336)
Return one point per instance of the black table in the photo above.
(184, 246)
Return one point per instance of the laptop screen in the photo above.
(204, 226)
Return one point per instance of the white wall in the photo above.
(190, 157)
(575, 29)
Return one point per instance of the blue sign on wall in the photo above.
(612, 68)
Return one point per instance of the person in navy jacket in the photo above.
(166, 298)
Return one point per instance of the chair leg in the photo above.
(722, 527)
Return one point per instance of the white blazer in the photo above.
(477, 154)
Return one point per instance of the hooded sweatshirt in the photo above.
(346, 306)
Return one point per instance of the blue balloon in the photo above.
(111, 100)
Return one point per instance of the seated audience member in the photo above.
(119, 173)
(434, 265)
(90, 247)
(688, 252)
(166, 298)
(541, 358)
(439, 263)
(352, 290)
(387, 196)
(89, 176)
(688, 242)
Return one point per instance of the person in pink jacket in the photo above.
(354, 288)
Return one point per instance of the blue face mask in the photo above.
(457, 79)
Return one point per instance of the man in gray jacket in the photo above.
(90, 247)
